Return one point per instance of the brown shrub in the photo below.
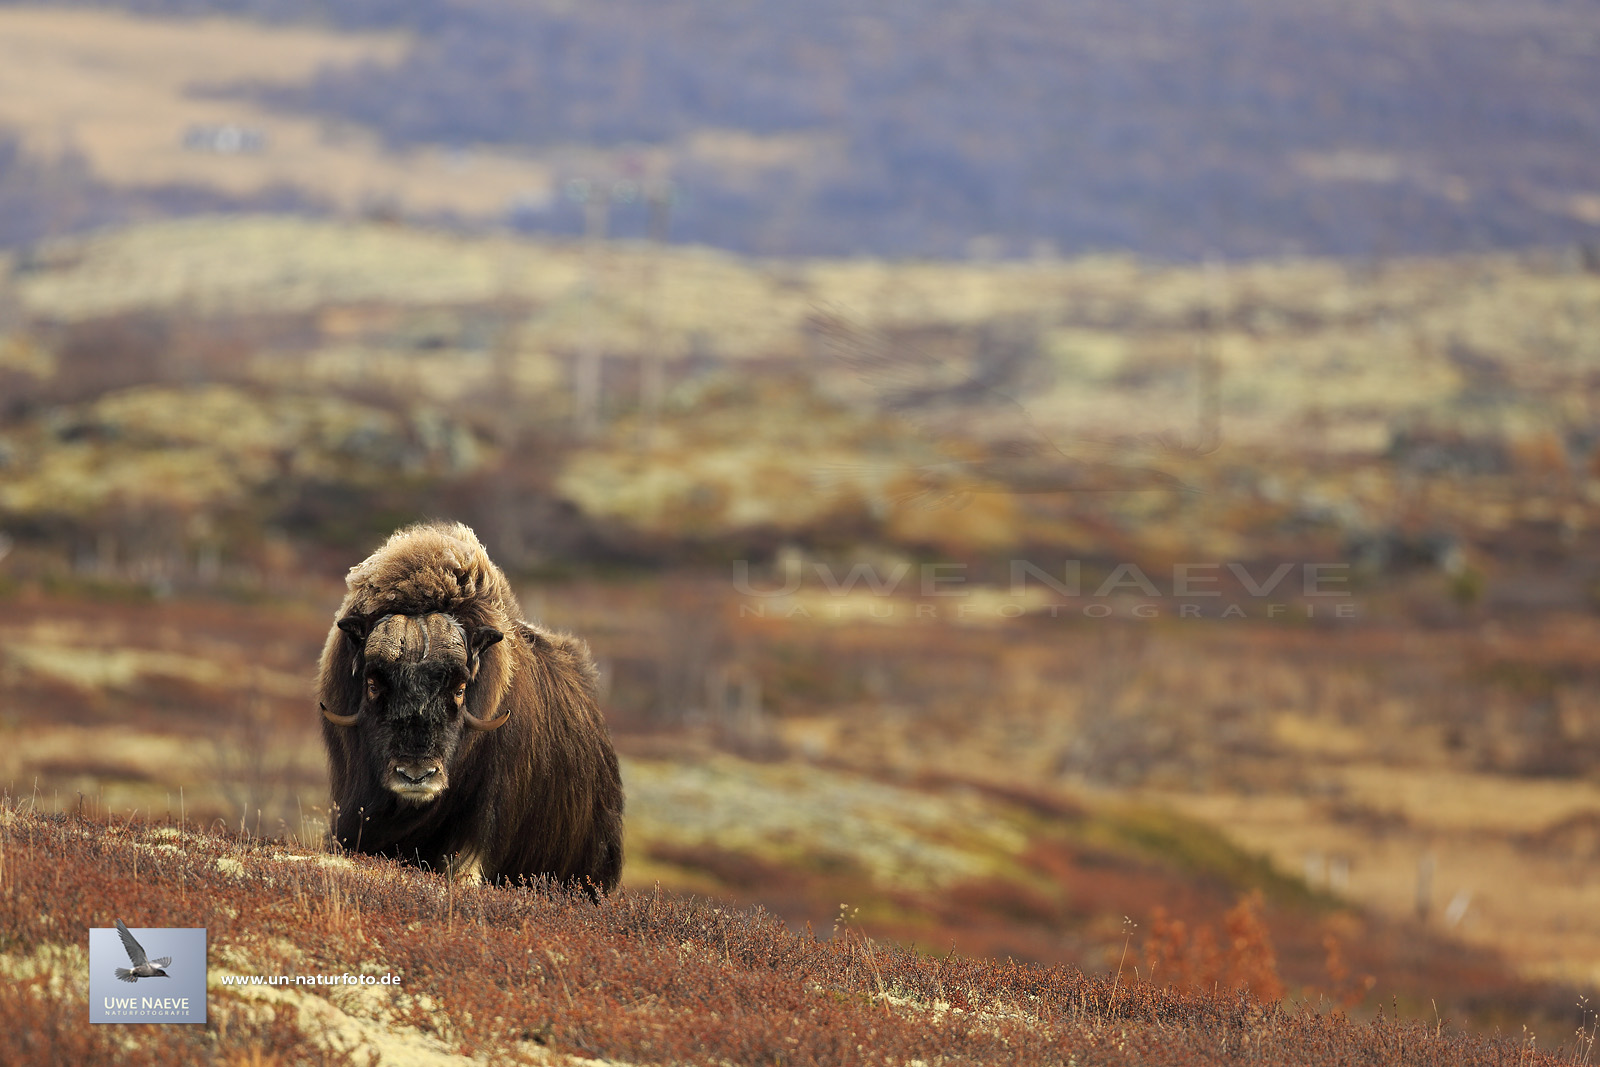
(1244, 962)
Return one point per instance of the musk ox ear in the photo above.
(355, 629)
(482, 638)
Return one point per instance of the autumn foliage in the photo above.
(1241, 961)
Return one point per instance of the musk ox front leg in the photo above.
(466, 868)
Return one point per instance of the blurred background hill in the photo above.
(1050, 477)
(1204, 128)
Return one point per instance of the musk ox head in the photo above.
(413, 678)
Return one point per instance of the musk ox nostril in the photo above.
(422, 776)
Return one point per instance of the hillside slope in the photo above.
(520, 975)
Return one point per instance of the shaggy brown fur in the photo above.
(540, 794)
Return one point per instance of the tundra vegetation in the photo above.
(535, 975)
(204, 422)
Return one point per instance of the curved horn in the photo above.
(486, 724)
(338, 720)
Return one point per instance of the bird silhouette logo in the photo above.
(143, 965)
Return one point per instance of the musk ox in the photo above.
(458, 735)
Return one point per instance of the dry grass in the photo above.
(129, 704)
(1006, 832)
(504, 975)
(1440, 722)
(1325, 371)
(217, 447)
(1348, 347)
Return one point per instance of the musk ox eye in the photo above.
(373, 689)
(460, 692)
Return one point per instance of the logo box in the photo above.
(177, 997)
